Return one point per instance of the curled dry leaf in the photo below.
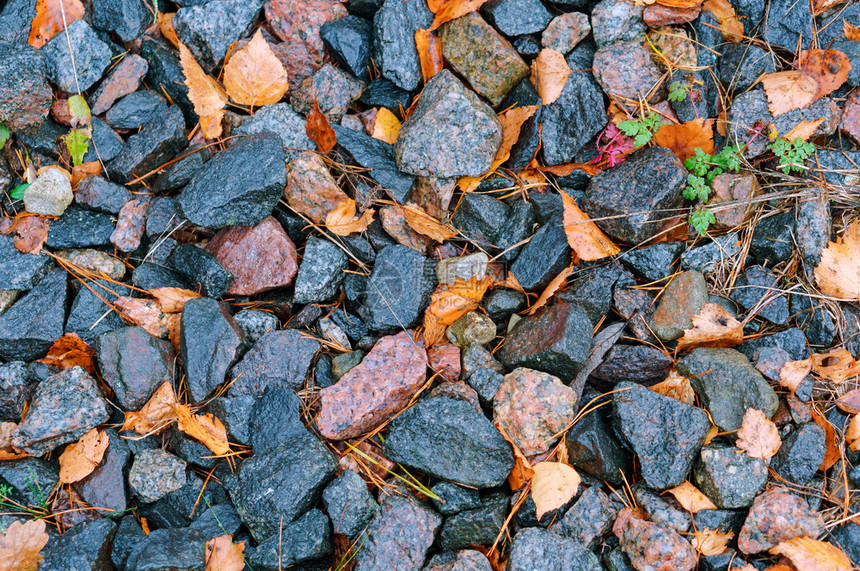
(71, 351)
(807, 554)
(31, 232)
(803, 130)
(224, 555)
(685, 138)
(838, 273)
(49, 17)
(852, 434)
(522, 472)
(384, 126)
(758, 435)
(587, 241)
(789, 90)
(80, 458)
(553, 485)
(851, 32)
(83, 170)
(158, 413)
(836, 365)
(255, 76)
(831, 454)
(447, 10)
(711, 542)
(206, 94)
(204, 428)
(343, 221)
(691, 498)
(850, 402)
(319, 131)
(829, 69)
(426, 225)
(449, 303)
(549, 74)
(144, 312)
(512, 122)
(676, 387)
(172, 299)
(730, 26)
(557, 283)
(429, 53)
(165, 26)
(21, 544)
(793, 373)
(713, 326)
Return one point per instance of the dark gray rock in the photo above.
(106, 143)
(181, 172)
(665, 434)
(801, 453)
(281, 484)
(31, 479)
(706, 258)
(166, 72)
(399, 289)
(813, 229)
(201, 267)
(758, 289)
(275, 419)
(502, 303)
(154, 474)
(479, 526)
(742, 64)
(19, 270)
(15, 19)
(593, 448)
(134, 364)
(527, 46)
(101, 194)
(91, 58)
(349, 503)
(480, 217)
(543, 257)
(25, 96)
(160, 139)
(383, 93)
(720, 520)
(773, 239)
(394, 27)
(256, 323)
(192, 451)
(635, 363)
(282, 120)
(331, 88)
(517, 17)
(813, 319)
(350, 41)
(279, 358)
(30, 326)
(209, 29)
(729, 477)
(592, 290)
(218, 520)
(454, 499)
(662, 509)
(321, 271)
(210, 343)
(239, 185)
(150, 276)
(182, 549)
(792, 341)
(572, 120)
(135, 110)
(180, 507)
(399, 536)
(654, 262)
(235, 413)
(535, 548)
(84, 546)
(486, 383)
(125, 18)
(306, 539)
(787, 24)
(615, 21)
(847, 536)
(162, 216)
(378, 156)
(128, 535)
(590, 518)
(517, 227)
(17, 390)
(448, 439)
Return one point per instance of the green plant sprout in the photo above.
(642, 130)
(678, 90)
(704, 168)
(791, 153)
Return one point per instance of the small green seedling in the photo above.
(704, 168)
(791, 153)
(678, 90)
(642, 130)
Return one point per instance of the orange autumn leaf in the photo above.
(426, 225)
(552, 287)
(447, 10)
(850, 402)
(691, 498)
(71, 351)
(680, 3)
(429, 53)
(758, 435)
(713, 326)
(836, 365)
(838, 272)
(549, 74)
(723, 11)
(553, 485)
(319, 131)
(831, 454)
(852, 434)
(829, 69)
(851, 32)
(803, 130)
(80, 458)
(807, 554)
(7, 451)
(165, 26)
(31, 232)
(143, 312)
(49, 19)
(83, 170)
(206, 94)
(711, 542)
(789, 90)
(522, 472)
(172, 299)
(512, 122)
(204, 428)
(157, 414)
(21, 544)
(343, 221)
(224, 555)
(449, 303)
(255, 76)
(385, 126)
(676, 387)
(587, 241)
(684, 139)
(793, 373)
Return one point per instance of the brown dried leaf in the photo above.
(711, 542)
(850, 402)
(684, 139)
(553, 485)
(206, 94)
(730, 26)
(343, 221)
(319, 131)
(429, 53)
(713, 326)
(512, 122)
(851, 32)
(550, 72)
(829, 69)
(566, 169)
(789, 90)
(832, 453)
(676, 387)
(522, 472)
(165, 25)
(691, 498)
(172, 299)
(224, 555)
(157, 414)
(447, 10)
(254, 76)
(550, 290)
(587, 241)
(71, 351)
(836, 365)
(758, 435)
(204, 428)
(793, 373)
(48, 20)
(852, 434)
(7, 451)
(143, 312)
(449, 303)
(80, 458)
(30, 234)
(426, 225)
(386, 126)
(803, 130)
(807, 554)
(838, 273)
(21, 544)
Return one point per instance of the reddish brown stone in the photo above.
(657, 15)
(444, 359)
(776, 516)
(653, 546)
(625, 69)
(260, 257)
(298, 61)
(124, 79)
(71, 509)
(130, 226)
(850, 124)
(375, 389)
(60, 112)
(299, 21)
(311, 190)
(395, 224)
(733, 187)
(531, 407)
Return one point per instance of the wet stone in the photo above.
(84, 546)
(741, 65)
(472, 328)
(279, 358)
(398, 290)
(479, 526)
(333, 90)
(108, 142)
(350, 503)
(202, 268)
(566, 31)
(379, 157)
(165, 70)
(399, 536)
(17, 390)
(130, 226)
(154, 474)
(91, 58)
(182, 548)
(847, 536)
(813, 229)
(811, 317)
(654, 262)
(150, 276)
(706, 258)
(788, 24)
(50, 194)
(791, 340)
(463, 267)
(682, 299)
(486, 383)
(773, 239)
(304, 540)
(311, 189)
(125, 78)
(777, 515)
(543, 257)
(454, 498)
(383, 93)
(218, 520)
(625, 69)
(635, 363)
(275, 419)
(593, 448)
(299, 23)
(616, 20)
(517, 17)
(101, 194)
(209, 29)
(502, 303)
(89, 316)
(755, 289)
(394, 28)
(527, 46)
(801, 453)
(281, 120)
(652, 545)
(730, 478)
(535, 548)
(465, 560)
(350, 40)
(25, 96)
(235, 413)
(665, 434)
(158, 141)
(136, 109)
(30, 326)
(321, 272)
(255, 323)
(134, 364)
(20, 271)
(480, 217)
(589, 519)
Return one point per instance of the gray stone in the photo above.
(399, 536)
(801, 453)
(89, 315)
(34, 322)
(101, 194)
(593, 448)
(80, 228)
(135, 109)
(20, 271)
(758, 289)
(479, 526)
(255, 323)
(350, 41)
(590, 518)
(25, 96)
(480, 217)
(124, 79)
(92, 57)
(50, 194)
(154, 474)
(350, 503)
(17, 390)
(321, 271)
(813, 229)
(126, 18)
(741, 65)
(182, 548)
(398, 290)
(787, 24)
(306, 539)
(535, 548)
(682, 299)
(729, 477)
(704, 259)
(394, 28)
(655, 262)
(278, 358)
(134, 364)
(281, 120)
(517, 17)
(86, 545)
(616, 20)
(545, 255)
(208, 30)
(202, 268)
(158, 141)
(454, 499)
(662, 509)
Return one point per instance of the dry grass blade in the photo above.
(758, 435)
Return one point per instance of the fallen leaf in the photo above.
(711, 542)
(730, 25)
(80, 458)
(71, 351)
(206, 94)
(512, 122)
(793, 373)
(829, 69)
(789, 90)
(691, 498)
(522, 472)
(553, 485)
(550, 72)
(819, 6)
(680, 3)
(587, 241)
(429, 53)
(851, 32)
(832, 453)
(758, 436)
(850, 402)
(319, 131)
(447, 10)
(83, 170)
(254, 76)
(172, 299)
(7, 451)
(165, 26)
(807, 554)
(49, 17)
(557, 283)
(566, 169)
(676, 387)
(31, 232)
(426, 225)
(836, 365)
(713, 326)
(343, 221)
(143, 312)
(21, 544)
(204, 428)
(685, 138)
(157, 414)
(224, 555)
(384, 126)
(838, 273)
(449, 303)
(803, 130)
(852, 434)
